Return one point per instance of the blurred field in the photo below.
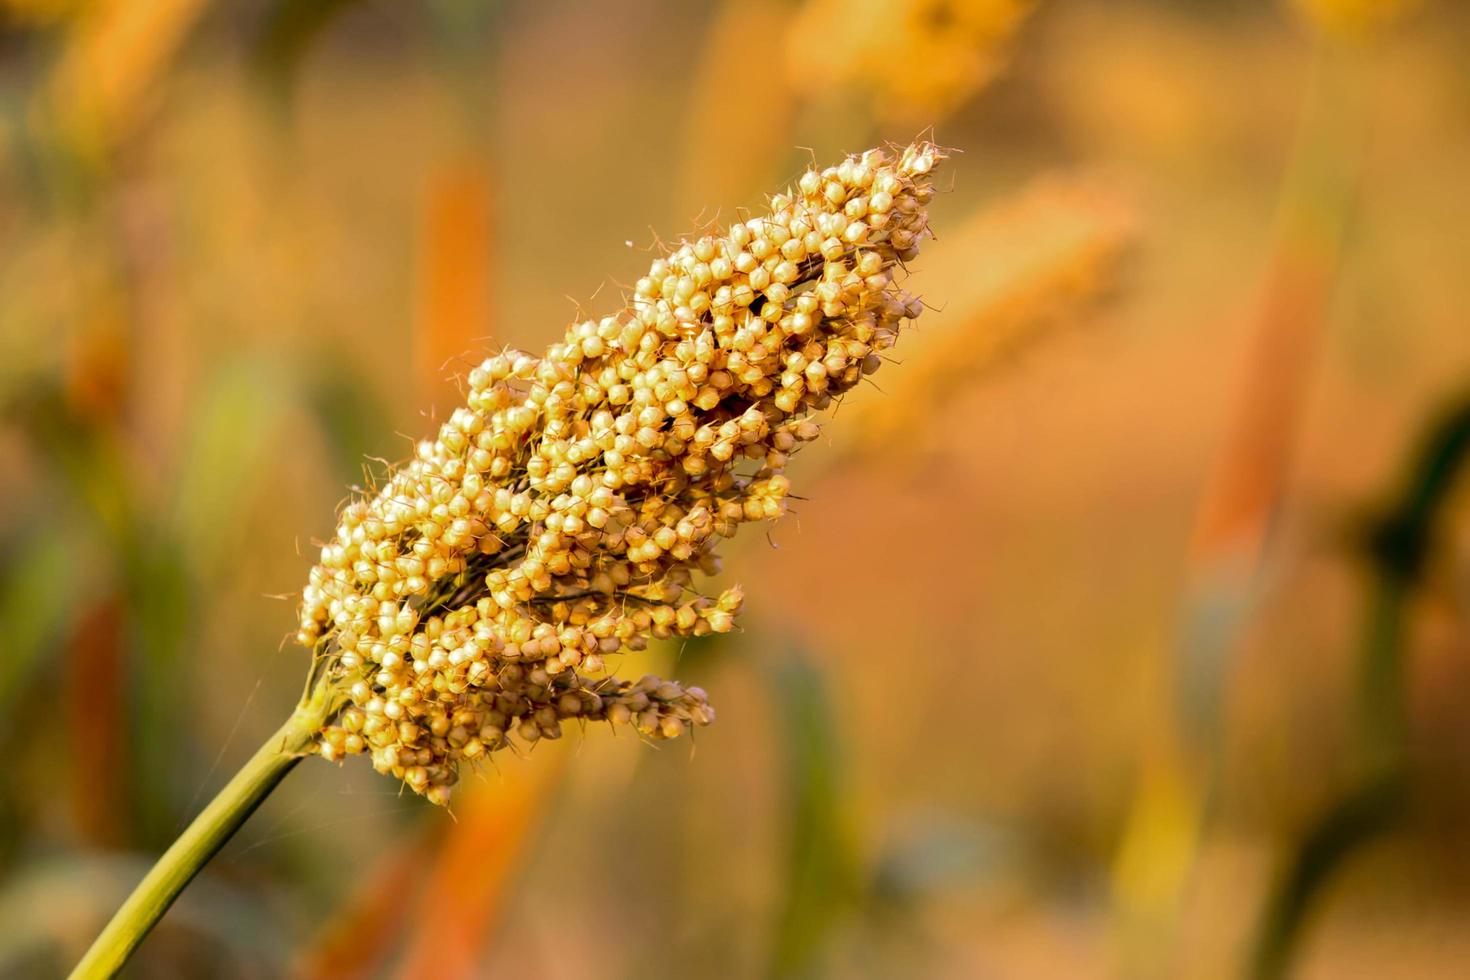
(970, 728)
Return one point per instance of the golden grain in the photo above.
(568, 510)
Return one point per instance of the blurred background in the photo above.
(1124, 632)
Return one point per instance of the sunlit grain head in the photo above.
(572, 508)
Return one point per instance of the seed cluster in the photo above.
(561, 515)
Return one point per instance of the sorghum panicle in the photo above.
(566, 512)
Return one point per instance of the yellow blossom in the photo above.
(916, 58)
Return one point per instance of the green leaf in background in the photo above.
(289, 30)
(38, 584)
(822, 875)
(1399, 548)
(166, 761)
(351, 417)
(102, 504)
(237, 424)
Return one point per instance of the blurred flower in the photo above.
(562, 514)
(1036, 260)
(114, 52)
(916, 58)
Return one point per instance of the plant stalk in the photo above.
(203, 838)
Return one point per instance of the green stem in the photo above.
(203, 838)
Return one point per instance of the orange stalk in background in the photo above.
(1232, 527)
(98, 363)
(363, 932)
(97, 385)
(98, 777)
(1233, 519)
(472, 872)
(456, 256)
